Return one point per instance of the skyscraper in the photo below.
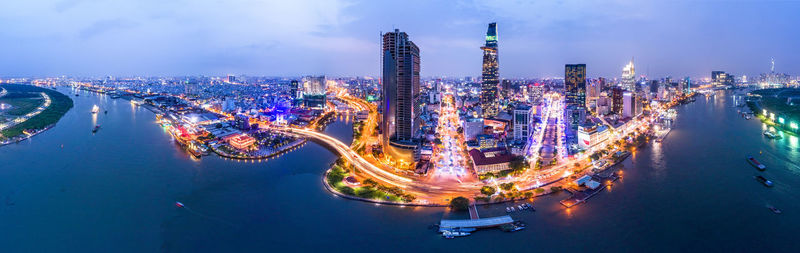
(315, 85)
(490, 76)
(400, 106)
(721, 78)
(296, 93)
(522, 122)
(629, 77)
(314, 88)
(575, 85)
(575, 102)
(294, 89)
(629, 104)
(616, 100)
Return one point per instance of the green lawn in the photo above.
(60, 105)
(21, 105)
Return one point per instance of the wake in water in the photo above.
(209, 217)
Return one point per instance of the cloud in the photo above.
(105, 26)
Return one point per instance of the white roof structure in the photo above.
(477, 223)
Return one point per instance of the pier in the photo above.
(583, 194)
(475, 223)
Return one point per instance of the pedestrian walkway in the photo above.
(473, 212)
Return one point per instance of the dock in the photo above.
(475, 223)
(663, 134)
(580, 196)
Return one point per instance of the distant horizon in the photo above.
(341, 37)
(476, 77)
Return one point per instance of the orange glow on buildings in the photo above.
(242, 142)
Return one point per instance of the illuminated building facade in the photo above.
(400, 106)
(720, 78)
(314, 88)
(629, 77)
(490, 76)
(522, 122)
(575, 90)
(616, 100)
(242, 142)
(592, 136)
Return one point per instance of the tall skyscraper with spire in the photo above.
(490, 77)
(629, 77)
(400, 105)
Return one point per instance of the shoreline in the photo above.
(16, 139)
(50, 100)
(330, 188)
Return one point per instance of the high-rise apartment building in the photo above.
(616, 100)
(401, 91)
(314, 88)
(575, 85)
(523, 114)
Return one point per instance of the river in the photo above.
(115, 190)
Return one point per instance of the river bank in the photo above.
(52, 108)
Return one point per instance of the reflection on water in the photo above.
(657, 160)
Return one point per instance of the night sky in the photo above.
(342, 38)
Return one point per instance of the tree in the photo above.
(367, 192)
(370, 182)
(488, 190)
(506, 186)
(518, 163)
(459, 203)
(528, 194)
(555, 189)
(335, 176)
(347, 190)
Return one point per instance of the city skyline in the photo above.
(97, 38)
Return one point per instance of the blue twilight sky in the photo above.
(342, 37)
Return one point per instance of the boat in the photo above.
(771, 134)
(774, 209)
(179, 204)
(756, 164)
(763, 181)
(508, 209)
(452, 234)
(95, 109)
(94, 130)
